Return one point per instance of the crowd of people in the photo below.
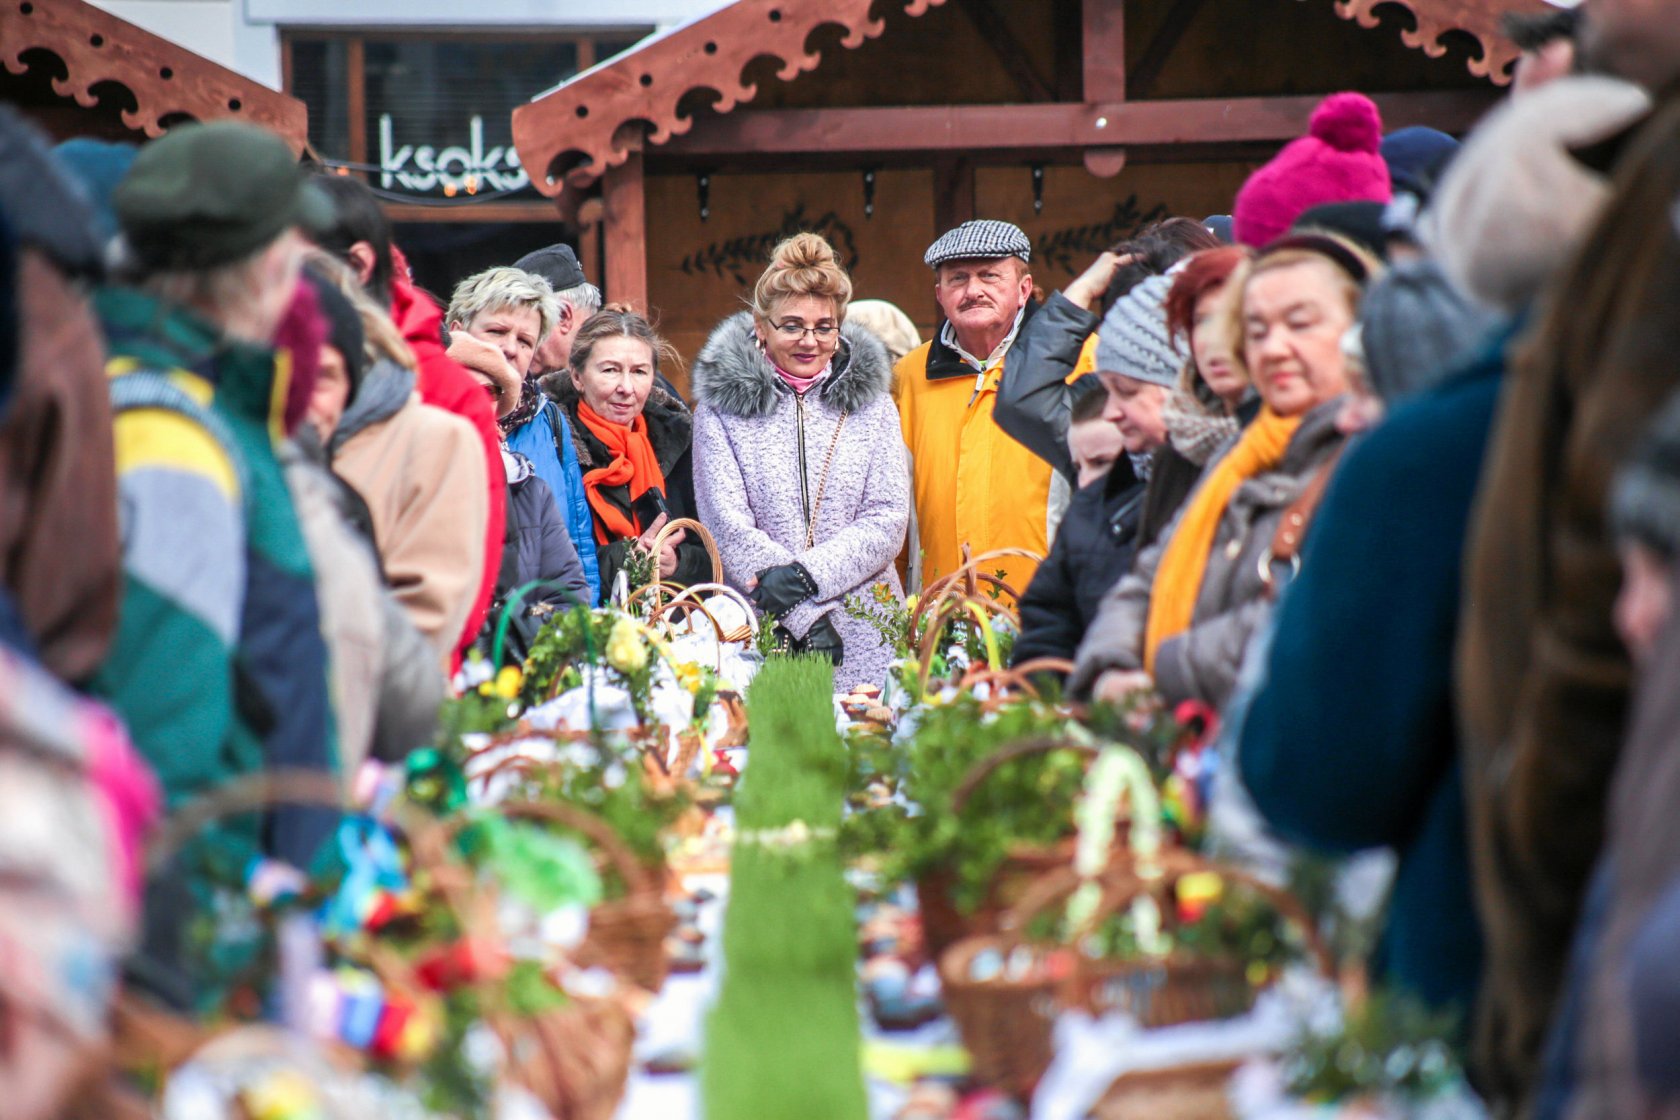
(1383, 468)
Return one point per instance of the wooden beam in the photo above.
(625, 235)
(1104, 50)
(543, 211)
(1017, 63)
(975, 129)
(1173, 26)
(953, 194)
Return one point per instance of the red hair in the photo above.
(1202, 273)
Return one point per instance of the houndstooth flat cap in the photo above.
(982, 239)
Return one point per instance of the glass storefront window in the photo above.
(436, 112)
(439, 113)
(320, 79)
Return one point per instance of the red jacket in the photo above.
(444, 384)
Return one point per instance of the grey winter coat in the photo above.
(1202, 663)
(752, 438)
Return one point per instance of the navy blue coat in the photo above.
(1352, 743)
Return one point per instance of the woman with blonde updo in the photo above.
(800, 468)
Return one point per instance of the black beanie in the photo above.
(344, 328)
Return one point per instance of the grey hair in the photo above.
(496, 288)
(585, 299)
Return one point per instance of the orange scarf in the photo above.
(633, 464)
(1178, 578)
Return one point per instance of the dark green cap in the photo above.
(211, 194)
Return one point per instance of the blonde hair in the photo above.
(382, 338)
(802, 265)
(496, 288)
(888, 323)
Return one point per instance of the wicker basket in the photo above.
(626, 935)
(1005, 1018)
(943, 922)
(1198, 1091)
(575, 1059)
(1180, 988)
(148, 1039)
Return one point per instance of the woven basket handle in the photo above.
(955, 605)
(608, 842)
(672, 528)
(1121, 884)
(987, 766)
(694, 591)
(246, 794)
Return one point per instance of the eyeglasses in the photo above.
(793, 328)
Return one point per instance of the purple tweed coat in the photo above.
(746, 478)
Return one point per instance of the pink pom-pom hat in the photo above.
(1339, 160)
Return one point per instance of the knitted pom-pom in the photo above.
(1349, 122)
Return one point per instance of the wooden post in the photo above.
(1105, 51)
(953, 194)
(355, 67)
(626, 232)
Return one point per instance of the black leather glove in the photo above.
(822, 638)
(782, 588)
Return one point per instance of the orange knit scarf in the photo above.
(1178, 578)
(633, 464)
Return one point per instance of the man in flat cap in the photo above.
(973, 484)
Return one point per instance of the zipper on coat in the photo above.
(804, 482)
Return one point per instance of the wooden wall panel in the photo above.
(1083, 214)
(699, 272)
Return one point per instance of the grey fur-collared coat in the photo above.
(752, 436)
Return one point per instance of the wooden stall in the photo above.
(880, 123)
(79, 71)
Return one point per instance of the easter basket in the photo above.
(574, 1057)
(626, 934)
(148, 1038)
(943, 922)
(1171, 966)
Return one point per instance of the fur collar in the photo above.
(670, 427)
(733, 376)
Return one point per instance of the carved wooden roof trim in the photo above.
(1477, 18)
(166, 80)
(572, 134)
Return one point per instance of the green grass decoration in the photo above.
(782, 1042)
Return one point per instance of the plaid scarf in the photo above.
(530, 403)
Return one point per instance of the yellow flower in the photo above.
(625, 649)
(1201, 887)
(282, 1095)
(691, 677)
(508, 682)
(485, 689)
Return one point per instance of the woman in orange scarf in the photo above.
(632, 439)
(1181, 621)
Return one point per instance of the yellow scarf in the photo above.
(1178, 580)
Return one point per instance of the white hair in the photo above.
(498, 288)
(585, 298)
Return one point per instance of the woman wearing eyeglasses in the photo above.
(800, 468)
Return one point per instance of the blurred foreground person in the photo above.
(218, 667)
